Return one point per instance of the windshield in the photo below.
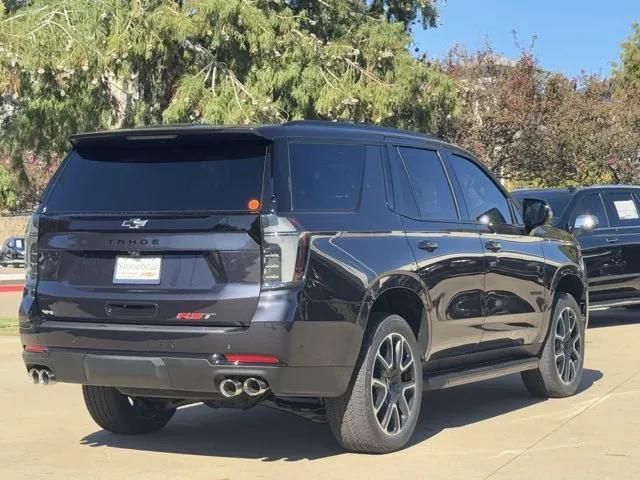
(159, 177)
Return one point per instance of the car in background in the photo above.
(12, 252)
(605, 219)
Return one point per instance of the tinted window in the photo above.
(405, 202)
(160, 177)
(517, 213)
(624, 208)
(430, 184)
(482, 195)
(326, 177)
(590, 204)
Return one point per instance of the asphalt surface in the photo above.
(486, 430)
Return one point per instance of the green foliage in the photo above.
(9, 189)
(78, 65)
(627, 72)
(8, 325)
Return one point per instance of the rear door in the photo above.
(514, 261)
(157, 232)
(623, 275)
(447, 251)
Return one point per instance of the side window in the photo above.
(429, 183)
(517, 212)
(326, 177)
(485, 201)
(405, 202)
(590, 204)
(624, 209)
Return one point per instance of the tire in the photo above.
(560, 379)
(117, 413)
(356, 423)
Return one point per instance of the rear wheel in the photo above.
(561, 363)
(120, 413)
(379, 410)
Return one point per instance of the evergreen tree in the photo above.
(627, 72)
(75, 65)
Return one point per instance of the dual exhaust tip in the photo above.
(42, 376)
(252, 386)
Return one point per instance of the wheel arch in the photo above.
(401, 294)
(567, 279)
(570, 279)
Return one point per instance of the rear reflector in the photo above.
(35, 348)
(250, 358)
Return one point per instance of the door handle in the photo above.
(492, 245)
(428, 245)
(612, 239)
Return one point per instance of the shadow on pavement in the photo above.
(614, 317)
(262, 433)
(467, 404)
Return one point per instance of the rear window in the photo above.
(160, 177)
(326, 177)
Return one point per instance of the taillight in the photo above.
(284, 253)
(31, 250)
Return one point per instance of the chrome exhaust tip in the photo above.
(230, 388)
(46, 377)
(255, 386)
(34, 376)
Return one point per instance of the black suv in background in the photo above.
(12, 252)
(605, 220)
(332, 270)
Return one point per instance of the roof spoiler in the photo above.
(159, 133)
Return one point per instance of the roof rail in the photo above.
(363, 126)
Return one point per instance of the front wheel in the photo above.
(561, 363)
(379, 411)
(120, 413)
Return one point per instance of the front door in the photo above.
(514, 293)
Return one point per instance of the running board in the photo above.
(448, 379)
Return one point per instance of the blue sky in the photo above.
(572, 35)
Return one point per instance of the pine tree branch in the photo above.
(367, 73)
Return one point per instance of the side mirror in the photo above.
(536, 213)
(585, 222)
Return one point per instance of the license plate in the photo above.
(138, 270)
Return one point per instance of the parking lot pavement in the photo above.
(486, 430)
(11, 274)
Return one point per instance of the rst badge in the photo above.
(195, 315)
(135, 223)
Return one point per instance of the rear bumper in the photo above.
(317, 357)
(183, 374)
